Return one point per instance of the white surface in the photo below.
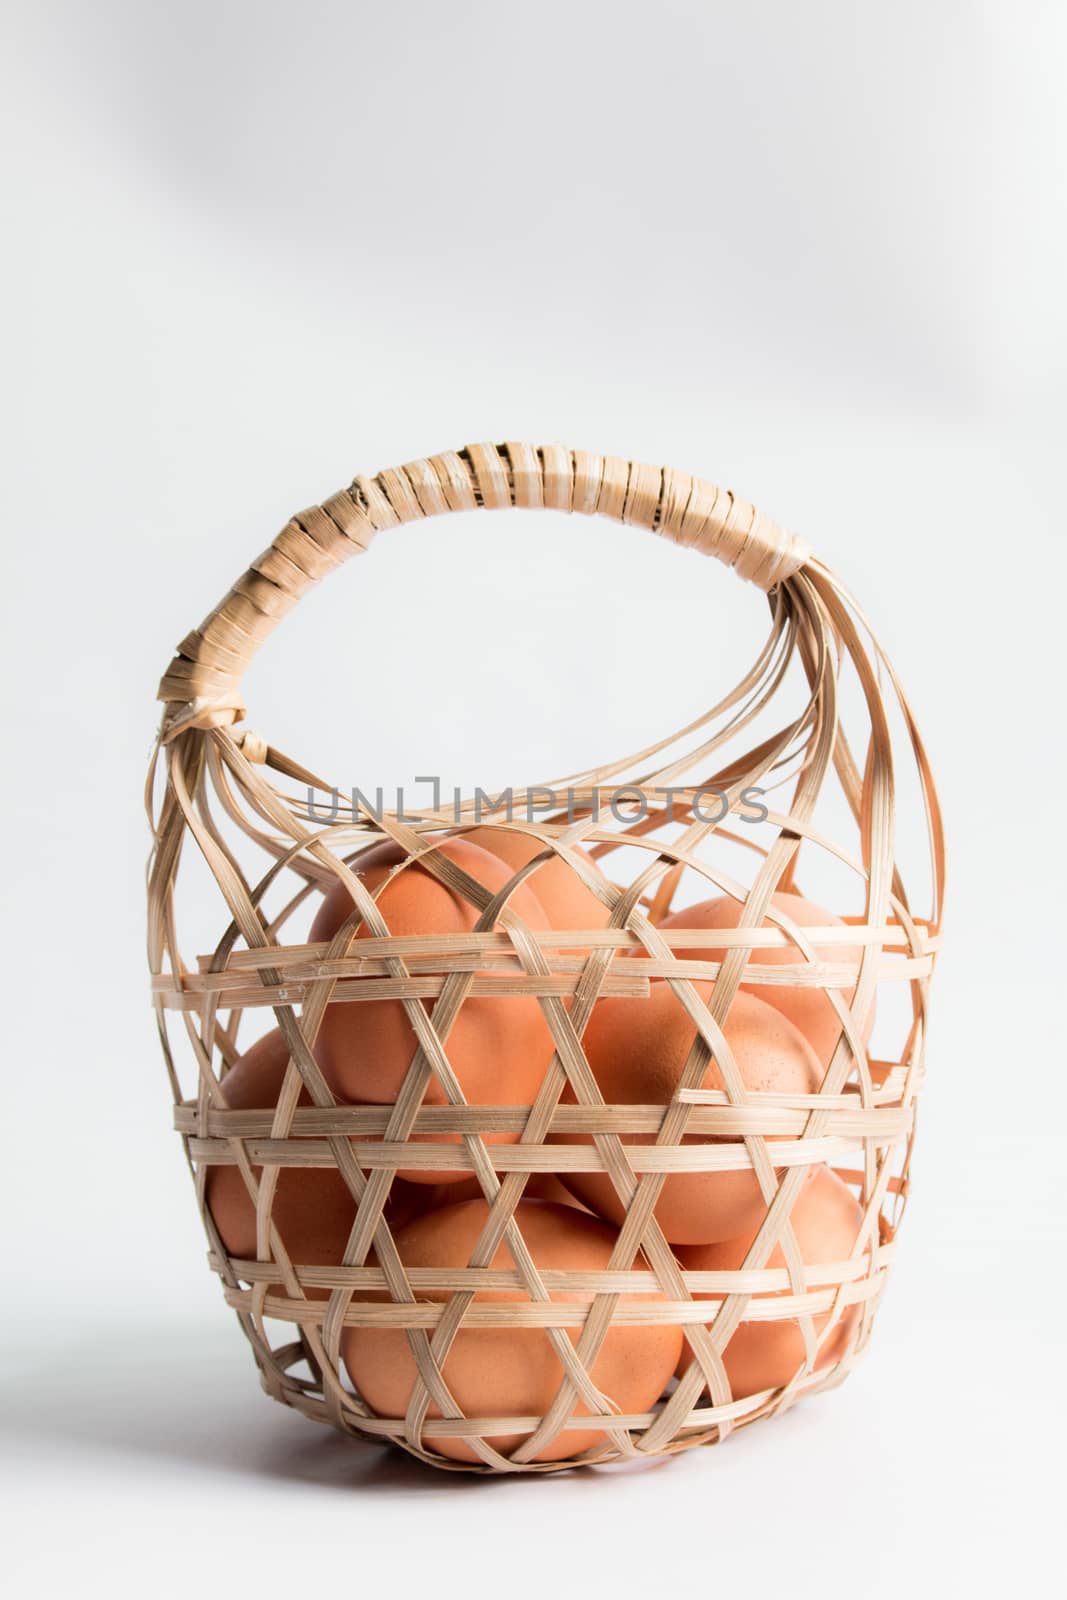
(813, 252)
(911, 1478)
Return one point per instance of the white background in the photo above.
(815, 252)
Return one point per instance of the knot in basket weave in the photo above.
(273, 859)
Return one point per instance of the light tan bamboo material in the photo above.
(209, 786)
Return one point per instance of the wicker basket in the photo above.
(271, 863)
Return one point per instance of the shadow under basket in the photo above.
(593, 1297)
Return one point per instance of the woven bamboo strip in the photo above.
(655, 1158)
(569, 1313)
(773, 1115)
(770, 1280)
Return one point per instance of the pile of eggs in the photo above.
(781, 1038)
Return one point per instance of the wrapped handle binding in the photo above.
(201, 687)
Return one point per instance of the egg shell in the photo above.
(511, 1371)
(826, 1219)
(406, 1201)
(809, 1009)
(637, 1050)
(567, 902)
(312, 1208)
(546, 1186)
(498, 1047)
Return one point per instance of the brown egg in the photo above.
(313, 1208)
(808, 1009)
(498, 1047)
(826, 1219)
(546, 1186)
(567, 902)
(511, 1371)
(406, 1201)
(637, 1050)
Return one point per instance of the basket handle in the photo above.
(201, 687)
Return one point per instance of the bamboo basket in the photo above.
(223, 789)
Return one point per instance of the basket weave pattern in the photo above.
(209, 787)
